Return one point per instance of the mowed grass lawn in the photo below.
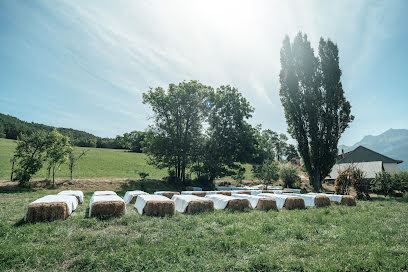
(370, 237)
(97, 163)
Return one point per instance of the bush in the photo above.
(240, 175)
(268, 171)
(384, 183)
(143, 175)
(289, 175)
(343, 182)
(361, 184)
(400, 181)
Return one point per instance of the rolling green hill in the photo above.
(98, 163)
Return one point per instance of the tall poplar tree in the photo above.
(316, 110)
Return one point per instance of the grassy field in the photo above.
(98, 163)
(370, 237)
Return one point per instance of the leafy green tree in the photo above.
(289, 175)
(291, 152)
(268, 171)
(179, 113)
(239, 175)
(74, 158)
(30, 154)
(57, 151)
(230, 138)
(316, 110)
(384, 183)
(279, 141)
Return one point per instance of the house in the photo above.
(367, 160)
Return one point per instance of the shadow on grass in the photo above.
(12, 189)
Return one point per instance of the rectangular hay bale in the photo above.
(46, 212)
(292, 203)
(266, 204)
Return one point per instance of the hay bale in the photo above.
(227, 193)
(108, 209)
(322, 201)
(292, 203)
(266, 204)
(201, 194)
(46, 212)
(268, 192)
(238, 204)
(348, 200)
(78, 194)
(200, 206)
(159, 208)
(131, 196)
(244, 192)
(287, 192)
(167, 194)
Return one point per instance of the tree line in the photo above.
(13, 128)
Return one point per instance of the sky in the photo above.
(85, 64)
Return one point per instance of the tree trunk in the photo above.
(71, 173)
(316, 182)
(53, 175)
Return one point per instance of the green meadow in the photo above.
(97, 163)
(373, 236)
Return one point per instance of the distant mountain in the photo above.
(392, 143)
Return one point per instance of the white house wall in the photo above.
(390, 167)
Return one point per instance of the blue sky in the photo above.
(85, 64)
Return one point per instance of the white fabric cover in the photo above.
(253, 199)
(70, 201)
(210, 193)
(220, 201)
(280, 199)
(143, 199)
(99, 193)
(334, 198)
(188, 192)
(131, 194)
(197, 189)
(181, 201)
(105, 198)
(256, 192)
(79, 194)
(309, 199)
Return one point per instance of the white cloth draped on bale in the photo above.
(70, 201)
(253, 199)
(143, 199)
(256, 192)
(100, 193)
(181, 201)
(334, 198)
(79, 194)
(309, 199)
(131, 194)
(280, 199)
(188, 192)
(220, 201)
(105, 198)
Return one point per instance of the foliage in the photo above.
(58, 150)
(289, 175)
(73, 159)
(268, 171)
(239, 175)
(361, 184)
(291, 152)
(179, 113)
(316, 110)
(400, 181)
(30, 154)
(132, 140)
(143, 175)
(343, 182)
(384, 183)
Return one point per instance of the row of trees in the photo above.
(40, 148)
(206, 131)
(13, 128)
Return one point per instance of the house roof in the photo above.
(369, 168)
(363, 154)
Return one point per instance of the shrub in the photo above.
(384, 183)
(289, 175)
(240, 175)
(400, 181)
(143, 175)
(343, 182)
(361, 184)
(268, 171)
